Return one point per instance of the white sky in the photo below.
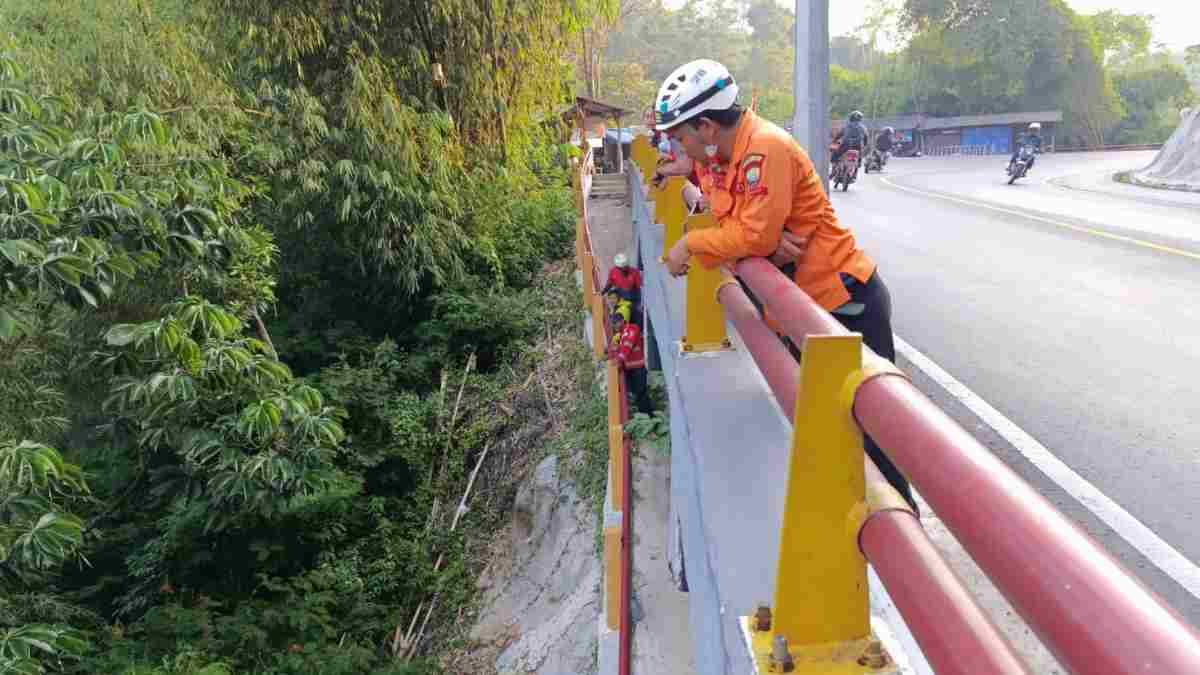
(1176, 24)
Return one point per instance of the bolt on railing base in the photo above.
(687, 348)
(854, 657)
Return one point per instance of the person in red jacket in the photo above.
(625, 281)
(629, 351)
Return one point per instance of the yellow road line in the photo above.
(1059, 223)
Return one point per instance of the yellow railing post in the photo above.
(821, 609)
(821, 587)
(671, 210)
(704, 325)
(580, 244)
(589, 284)
(599, 319)
(612, 568)
(616, 436)
(644, 156)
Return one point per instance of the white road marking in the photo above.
(1058, 223)
(1164, 556)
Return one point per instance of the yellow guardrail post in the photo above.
(820, 620)
(580, 244)
(704, 325)
(644, 156)
(599, 318)
(589, 284)
(612, 568)
(671, 210)
(616, 436)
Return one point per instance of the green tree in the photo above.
(86, 212)
(1152, 90)
(1122, 36)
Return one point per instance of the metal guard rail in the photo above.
(1088, 610)
(618, 520)
(1092, 614)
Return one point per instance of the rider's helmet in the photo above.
(620, 260)
(856, 116)
(1036, 126)
(693, 88)
(889, 131)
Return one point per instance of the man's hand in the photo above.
(791, 247)
(694, 199)
(677, 258)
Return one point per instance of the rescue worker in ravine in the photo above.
(624, 281)
(769, 201)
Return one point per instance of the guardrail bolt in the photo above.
(874, 656)
(762, 618)
(781, 660)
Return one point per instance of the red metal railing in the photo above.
(622, 492)
(955, 635)
(1088, 610)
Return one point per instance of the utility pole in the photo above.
(810, 123)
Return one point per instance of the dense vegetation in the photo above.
(266, 272)
(956, 57)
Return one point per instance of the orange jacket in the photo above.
(770, 184)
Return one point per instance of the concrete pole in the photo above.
(620, 148)
(810, 124)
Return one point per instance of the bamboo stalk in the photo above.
(410, 644)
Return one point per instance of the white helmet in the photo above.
(1036, 126)
(620, 260)
(691, 89)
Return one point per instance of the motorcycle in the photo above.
(876, 160)
(846, 170)
(1019, 168)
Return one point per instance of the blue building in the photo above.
(984, 134)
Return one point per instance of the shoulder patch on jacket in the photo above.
(752, 173)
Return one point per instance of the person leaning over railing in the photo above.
(673, 161)
(769, 202)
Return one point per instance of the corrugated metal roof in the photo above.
(992, 120)
(597, 108)
(900, 122)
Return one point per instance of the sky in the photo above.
(1177, 22)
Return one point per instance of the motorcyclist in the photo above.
(851, 137)
(884, 142)
(1031, 137)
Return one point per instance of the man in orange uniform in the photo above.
(769, 202)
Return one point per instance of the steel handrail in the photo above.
(1087, 609)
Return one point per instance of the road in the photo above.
(1073, 309)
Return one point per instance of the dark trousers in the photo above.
(875, 325)
(636, 380)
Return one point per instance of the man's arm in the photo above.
(611, 283)
(680, 166)
(756, 229)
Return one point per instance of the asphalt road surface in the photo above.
(1071, 305)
